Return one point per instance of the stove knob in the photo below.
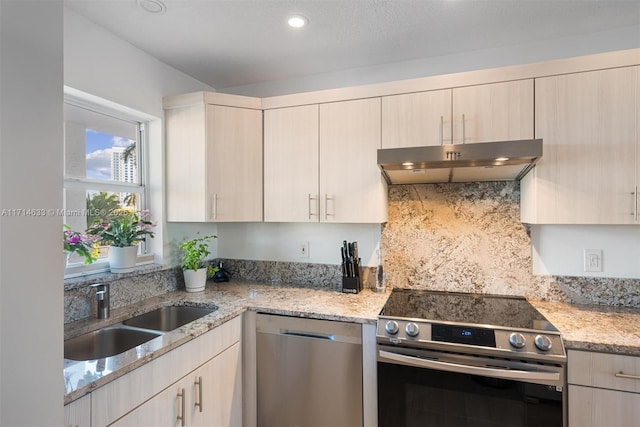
(517, 340)
(412, 329)
(543, 342)
(392, 327)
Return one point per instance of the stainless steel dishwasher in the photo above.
(309, 372)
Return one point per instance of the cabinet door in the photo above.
(220, 391)
(78, 412)
(595, 407)
(186, 164)
(166, 409)
(351, 186)
(291, 164)
(416, 119)
(493, 112)
(234, 164)
(587, 173)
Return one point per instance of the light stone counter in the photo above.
(584, 327)
(602, 328)
(232, 299)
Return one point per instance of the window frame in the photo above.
(99, 105)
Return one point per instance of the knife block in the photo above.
(351, 285)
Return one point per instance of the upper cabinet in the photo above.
(493, 112)
(416, 119)
(352, 188)
(214, 158)
(478, 113)
(320, 163)
(589, 171)
(291, 189)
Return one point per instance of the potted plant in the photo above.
(80, 243)
(193, 264)
(122, 231)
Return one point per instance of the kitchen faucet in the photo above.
(102, 300)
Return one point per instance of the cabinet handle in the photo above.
(215, 205)
(627, 376)
(464, 131)
(182, 416)
(200, 399)
(635, 210)
(309, 205)
(441, 130)
(326, 204)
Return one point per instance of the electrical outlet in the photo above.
(593, 260)
(304, 250)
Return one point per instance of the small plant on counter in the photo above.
(195, 252)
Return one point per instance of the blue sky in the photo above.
(98, 153)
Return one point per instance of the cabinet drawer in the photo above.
(612, 371)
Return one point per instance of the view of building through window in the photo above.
(102, 167)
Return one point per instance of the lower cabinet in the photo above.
(209, 396)
(604, 389)
(78, 412)
(196, 384)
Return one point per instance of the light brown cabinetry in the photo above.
(214, 160)
(209, 396)
(78, 412)
(320, 163)
(208, 368)
(589, 170)
(478, 113)
(291, 164)
(604, 389)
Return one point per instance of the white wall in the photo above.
(559, 250)
(566, 47)
(31, 309)
(281, 241)
(98, 63)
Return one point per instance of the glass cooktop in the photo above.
(478, 309)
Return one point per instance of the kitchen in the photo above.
(88, 68)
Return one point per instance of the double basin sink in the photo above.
(113, 340)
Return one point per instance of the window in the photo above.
(103, 169)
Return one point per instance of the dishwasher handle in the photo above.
(305, 334)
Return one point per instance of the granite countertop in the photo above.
(583, 327)
(232, 299)
(602, 328)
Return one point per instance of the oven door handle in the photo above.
(510, 374)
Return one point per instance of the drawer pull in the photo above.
(628, 376)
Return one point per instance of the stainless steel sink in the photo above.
(105, 342)
(168, 318)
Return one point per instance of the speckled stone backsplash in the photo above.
(468, 238)
(145, 283)
(304, 274)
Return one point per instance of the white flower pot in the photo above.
(122, 260)
(194, 280)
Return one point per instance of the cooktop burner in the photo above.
(482, 309)
(471, 323)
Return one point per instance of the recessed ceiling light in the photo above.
(152, 6)
(502, 159)
(407, 164)
(297, 21)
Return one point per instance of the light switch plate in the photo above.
(593, 260)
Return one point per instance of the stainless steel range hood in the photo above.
(490, 161)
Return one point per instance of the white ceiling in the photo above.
(227, 43)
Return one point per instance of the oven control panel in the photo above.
(406, 332)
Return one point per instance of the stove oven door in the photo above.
(425, 388)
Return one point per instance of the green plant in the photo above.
(123, 228)
(83, 244)
(195, 252)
